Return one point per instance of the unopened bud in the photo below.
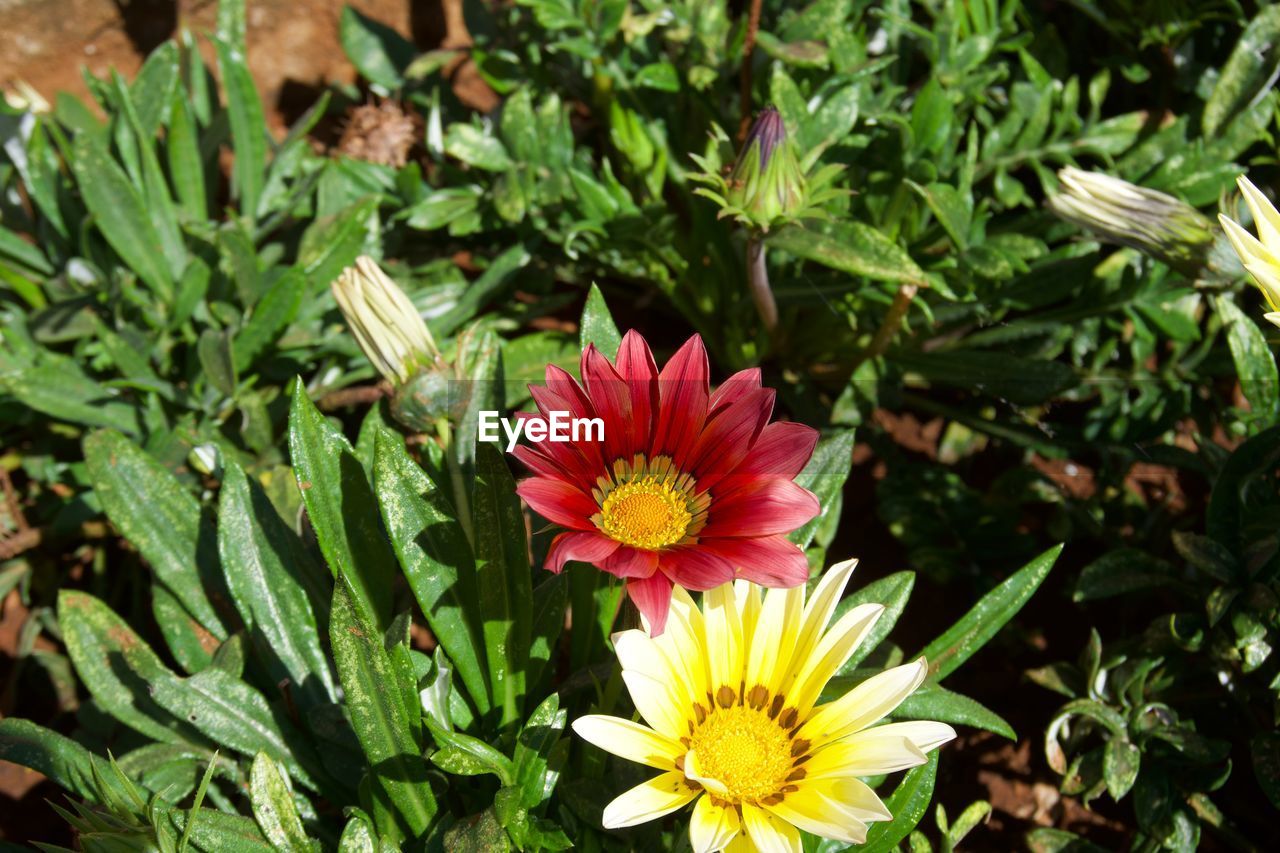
(386, 324)
(1259, 255)
(1154, 223)
(767, 186)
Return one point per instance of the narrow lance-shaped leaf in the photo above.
(342, 508)
(248, 125)
(502, 565)
(907, 804)
(263, 563)
(597, 325)
(824, 475)
(436, 559)
(377, 714)
(118, 668)
(987, 617)
(273, 807)
(164, 522)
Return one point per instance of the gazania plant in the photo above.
(303, 715)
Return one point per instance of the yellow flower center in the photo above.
(746, 751)
(648, 513)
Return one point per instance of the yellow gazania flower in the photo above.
(1260, 255)
(730, 695)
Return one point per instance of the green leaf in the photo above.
(1250, 71)
(597, 325)
(1257, 458)
(120, 213)
(824, 475)
(464, 142)
(163, 521)
(182, 144)
(1120, 762)
(537, 759)
(273, 807)
(932, 702)
(332, 243)
(217, 362)
(1121, 571)
(1255, 364)
(851, 247)
(1265, 751)
(1021, 381)
(466, 755)
(907, 804)
(271, 315)
(378, 52)
(235, 715)
(379, 717)
(971, 632)
(213, 831)
(58, 388)
(248, 125)
(266, 569)
(436, 558)
(893, 592)
(550, 598)
(495, 280)
(341, 507)
(502, 566)
(118, 668)
(64, 761)
(953, 209)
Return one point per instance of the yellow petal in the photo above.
(747, 597)
(723, 623)
(813, 811)
(865, 704)
(774, 639)
(817, 612)
(833, 650)
(925, 735)
(1265, 216)
(1245, 244)
(767, 832)
(638, 652)
(629, 740)
(656, 705)
(694, 773)
(711, 827)
(1273, 317)
(863, 755)
(1267, 276)
(684, 640)
(648, 801)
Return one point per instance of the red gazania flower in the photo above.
(688, 487)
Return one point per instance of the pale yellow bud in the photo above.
(386, 324)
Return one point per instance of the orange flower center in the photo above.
(648, 504)
(745, 751)
(647, 513)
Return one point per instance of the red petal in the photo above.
(584, 547)
(782, 450)
(628, 562)
(558, 502)
(726, 440)
(694, 567)
(637, 367)
(581, 457)
(766, 560)
(761, 509)
(611, 399)
(652, 597)
(683, 388)
(740, 383)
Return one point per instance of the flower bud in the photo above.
(766, 183)
(767, 186)
(1157, 224)
(386, 324)
(1260, 255)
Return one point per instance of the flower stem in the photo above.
(758, 282)
(460, 501)
(889, 327)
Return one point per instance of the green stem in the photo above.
(460, 500)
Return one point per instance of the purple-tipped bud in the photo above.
(769, 131)
(766, 185)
